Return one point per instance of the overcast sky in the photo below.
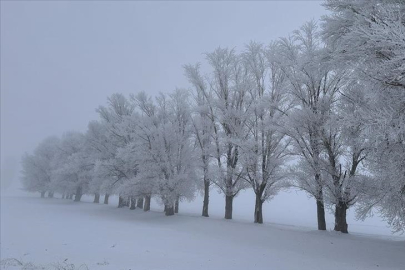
(60, 60)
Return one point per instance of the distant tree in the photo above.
(37, 167)
(73, 170)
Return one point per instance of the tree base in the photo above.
(169, 211)
(146, 206)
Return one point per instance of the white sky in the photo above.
(60, 60)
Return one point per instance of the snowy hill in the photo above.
(56, 233)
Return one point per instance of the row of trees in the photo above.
(322, 110)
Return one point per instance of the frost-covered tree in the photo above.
(165, 154)
(73, 170)
(37, 168)
(345, 148)
(202, 127)
(313, 86)
(110, 170)
(99, 149)
(264, 152)
(138, 151)
(368, 35)
(229, 84)
(368, 38)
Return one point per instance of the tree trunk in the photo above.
(258, 216)
(169, 210)
(50, 194)
(43, 194)
(340, 217)
(96, 198)
(127, 201)
(63, 195)
(78, 194)
(106, 198)
(133, 203)
(321, 215)
(71, 196)
(344, 222)
(121, 202)
(206, 198)
(139, 202)
(228, 207)
(146, 206)
(176, 205)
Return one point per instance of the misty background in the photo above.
(60, 60)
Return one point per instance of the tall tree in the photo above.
(313, 85)
(202, 127)
(345, 149)
(265, 150)
(229, 84)
(368, 37)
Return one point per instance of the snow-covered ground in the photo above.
(56, 232)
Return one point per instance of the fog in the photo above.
(61, 60)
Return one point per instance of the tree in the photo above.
(99, 149)
(37, 167)
(73, 170)
(202, 127)
(227, 110)
(345, 149)
(139, 151)
(313, 86)
(264, 152)
(368, 37)
(167, 158)
(111, 170)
